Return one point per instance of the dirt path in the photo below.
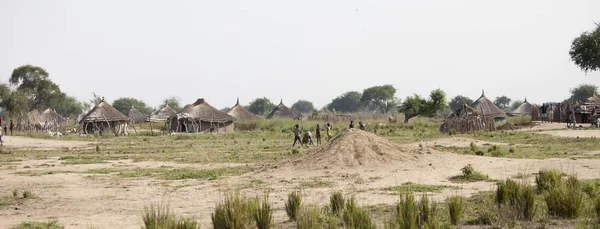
(574, 133)
(42, 144)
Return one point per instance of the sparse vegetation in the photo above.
(336, 203)
(548, 179)
(38, 225)
(293, 204)
(235, 212)
(469, 174)
(410, 187)
(566, 199)
(455, 209)
(161, 217)
(264, 214)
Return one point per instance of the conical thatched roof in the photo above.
(50, 116)
(162, 114)
(525, 108)
(136, 116)
(465, 110)
(592, 100)
(103, 112)
(487, 107)
(281, 111)
(203, 111)
(240, 113)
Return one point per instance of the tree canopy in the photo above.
(415, 105)
(380, 96)
(585, 50)
(304, 106)
(583, 91)
(173, 102)
(458, 101)
(348, 102)
(261, 106)
(125, 103)
(515, 104)
(502, 102)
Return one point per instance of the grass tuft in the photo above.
(264, 214)
(469, 174)
(234, 212)
(548, 179)
(336, 202)
(455, 209)
(38, 225)
(161, 217)
(566, 200)
(356, 217)
(293, 204)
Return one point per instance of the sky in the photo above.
(291, 50)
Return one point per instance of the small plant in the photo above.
(15, 193)
(566, 200)
(356, 217)
(407, 212)
(293, 204)
(548, 179)
(468, 170)
(591, 190)
(425, 213)
(452, 132)
(310, 218)
(336, 202)
(511, 150)
(597, 207)
(39, 225)
(264, 215)
(479, 153)
(295, 151)
(485, 217)
(27, 194)
(455, 209)
(235, 212)
(469, 174)
(473, 147)
(160, 216)
(501, 193)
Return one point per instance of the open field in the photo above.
(106, 182)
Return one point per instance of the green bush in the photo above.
(519, 197)
(597, 207)
(292, 206)
(548, 179)
(407, 212)
(455, 209)
(234, 212)
(469, 174)
(425, 213)
(479, 153)
(355, 217)
(310, 218)
(336, 202)
(566, 200)
(501, 193)
(264, 215)
(473, 147)
(27, 194)
(160, 217)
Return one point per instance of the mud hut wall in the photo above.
(113, 126)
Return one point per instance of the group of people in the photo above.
(307, 138)
(547, 111)
(12, 125)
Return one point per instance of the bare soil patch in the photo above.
(42, 144)
(573, 133)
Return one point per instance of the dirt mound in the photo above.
(354, 148)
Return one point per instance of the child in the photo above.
(318, 133)
(297, 135)
(328, 132)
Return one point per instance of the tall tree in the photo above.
(303, 106)
(583, 91)
(417, 106)
(585, 50)
(502, 102)
(380, 96)
(261, 106)
(125, 103)
(37, 87)
(69, 107)
(458, 101)
(348, 102)
(173, 102)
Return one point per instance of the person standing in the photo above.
(544, 115)
(5, 128)
(1, 141)
(361, 125)
(328, 132)
(558, 112)
(351, 126)
(318, 134)
(297, 133)
(551, 112)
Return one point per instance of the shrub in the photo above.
(566, 200)
(27, 194)
(15, 192)
(511, 150)
(235, 212)
(479, 153)
(407, 212)
(528, 207)
(473, 147)
(597, 207)
(469, 174)
(264, 215)
(337, 203)
(159, 217)
(548, 179)
(455, 209)
(295, 151)
(520, 197)
(501, 193)
(591, 190)
(293, 204)
(39, 225)
(310, 218)
(425, 213)
(355, 217)
(485, 217)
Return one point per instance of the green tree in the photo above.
(583, 91)
(380, 96)
(69, 107)
(585, 50)
(348, 102)
(417, 106)
(125, 103)
(173, 102)
(458, 101)
(502, 102)
(33, 82)
(304, 106)
(261, 106)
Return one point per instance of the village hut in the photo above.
(46, 120)
(583, 112)
(136, 116)
(201, 117)
(487, 108)
(525, 108)
(240, 113)
(103, 118)
(282, 111)
(162, 114)
(467, 119)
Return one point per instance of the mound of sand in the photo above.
(355, 149)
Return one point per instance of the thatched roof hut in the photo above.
(162, 114)
(282, 111)
(487, 107)
(201, 117)
(240, 113)
(525, 108)
(465, 110)
(136, 116)
(50, 115)
(104, 117)
(592, 100)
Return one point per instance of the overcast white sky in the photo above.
(312, 50)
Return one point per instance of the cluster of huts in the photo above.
(197, 117)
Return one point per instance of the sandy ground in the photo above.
(41, 144)
(79, 200)
(574, 133)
